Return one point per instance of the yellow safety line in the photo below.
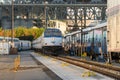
(88, 73)
(63, 64)
(16, 63)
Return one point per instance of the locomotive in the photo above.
(50, 42)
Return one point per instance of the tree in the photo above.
(24, 33)
(19, 31)
(1, 31)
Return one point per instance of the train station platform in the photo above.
(28, 70)
(67, 71)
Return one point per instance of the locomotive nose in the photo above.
(53, 40)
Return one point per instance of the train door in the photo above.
(91, 35)
(104, 43)
(4, 47)
(85, 36)
(76, 43)
(79, 44)
(72, 49)
(97, 41)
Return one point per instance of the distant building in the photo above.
(51, 1)
(58, 24)
(5, 1)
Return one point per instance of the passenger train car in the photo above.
(25, 45)
(8, 39)
(92, 40)
(5, 44)
(50, 42)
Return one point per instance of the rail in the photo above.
(96, 63)
(107, 70)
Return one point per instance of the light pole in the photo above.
(12, 28)
(46, 21)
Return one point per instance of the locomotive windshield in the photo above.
(52, 33)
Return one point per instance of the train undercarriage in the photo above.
(52, 50)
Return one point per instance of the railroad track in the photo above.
(116, 68)
(108, 70)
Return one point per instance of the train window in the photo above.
(28, 44)
(58, 25)
(52, 32)
(99, 44)
(96, 38)
(104, 37)
(54, 23)
(1, 39)
(89, 40)
(21, 44)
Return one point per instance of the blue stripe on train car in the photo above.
(88, 49)
(96, 50)
(104, 49)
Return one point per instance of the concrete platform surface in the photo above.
(67, 71)
(29, 69)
